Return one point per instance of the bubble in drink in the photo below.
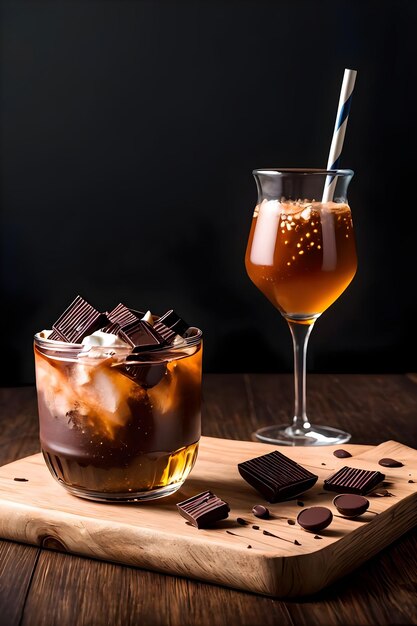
(286, 251)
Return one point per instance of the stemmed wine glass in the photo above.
(301, 254)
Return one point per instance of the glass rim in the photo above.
(66, 347)
(302, 171)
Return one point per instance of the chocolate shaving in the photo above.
(381, 493)
(268, 534)
(21, 480)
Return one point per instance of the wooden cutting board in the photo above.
(154, 536)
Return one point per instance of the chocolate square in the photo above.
(141, 335)
(170, 324)
(353, 480)
(204, 509)
(276, 477)
(77, 321)
(122, 315)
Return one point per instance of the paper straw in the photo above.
(336, 146)
(328, 236)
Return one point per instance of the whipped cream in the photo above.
(107, 340)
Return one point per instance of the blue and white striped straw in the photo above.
(342, 116)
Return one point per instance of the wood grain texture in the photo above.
(154, 536)
(383, 591)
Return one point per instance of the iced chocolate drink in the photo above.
(119, 397)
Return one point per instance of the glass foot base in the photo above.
(284, 435)
(139, 496)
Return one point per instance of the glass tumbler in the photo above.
(116, 426)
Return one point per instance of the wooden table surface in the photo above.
(43, 587)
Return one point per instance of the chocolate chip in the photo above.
(297, 543)
(255, 527)
(299, 503)
(248, 546)
(276, 477)
(21, 480)
(342, 454)
(411, 481)
(387, 462)
(351, 505)
(204, 509)
(353, 480)
(260, 511)
(315, 518)
(242, 521)
(317, 537)
(291, 522)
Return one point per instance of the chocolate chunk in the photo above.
(342, 454)
(276, 477)
(169, 325)
(76, 322)
(147, 375)
(255, 527)
(141, 335)
(351, 505)
(122, 315)
(315, 518)
(260, 511)
(112, 328)
(204, 509)
(386, 462)
(381, 493)
(353, 480)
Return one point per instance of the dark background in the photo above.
(129, 131)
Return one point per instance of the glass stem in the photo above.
(300, 335)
